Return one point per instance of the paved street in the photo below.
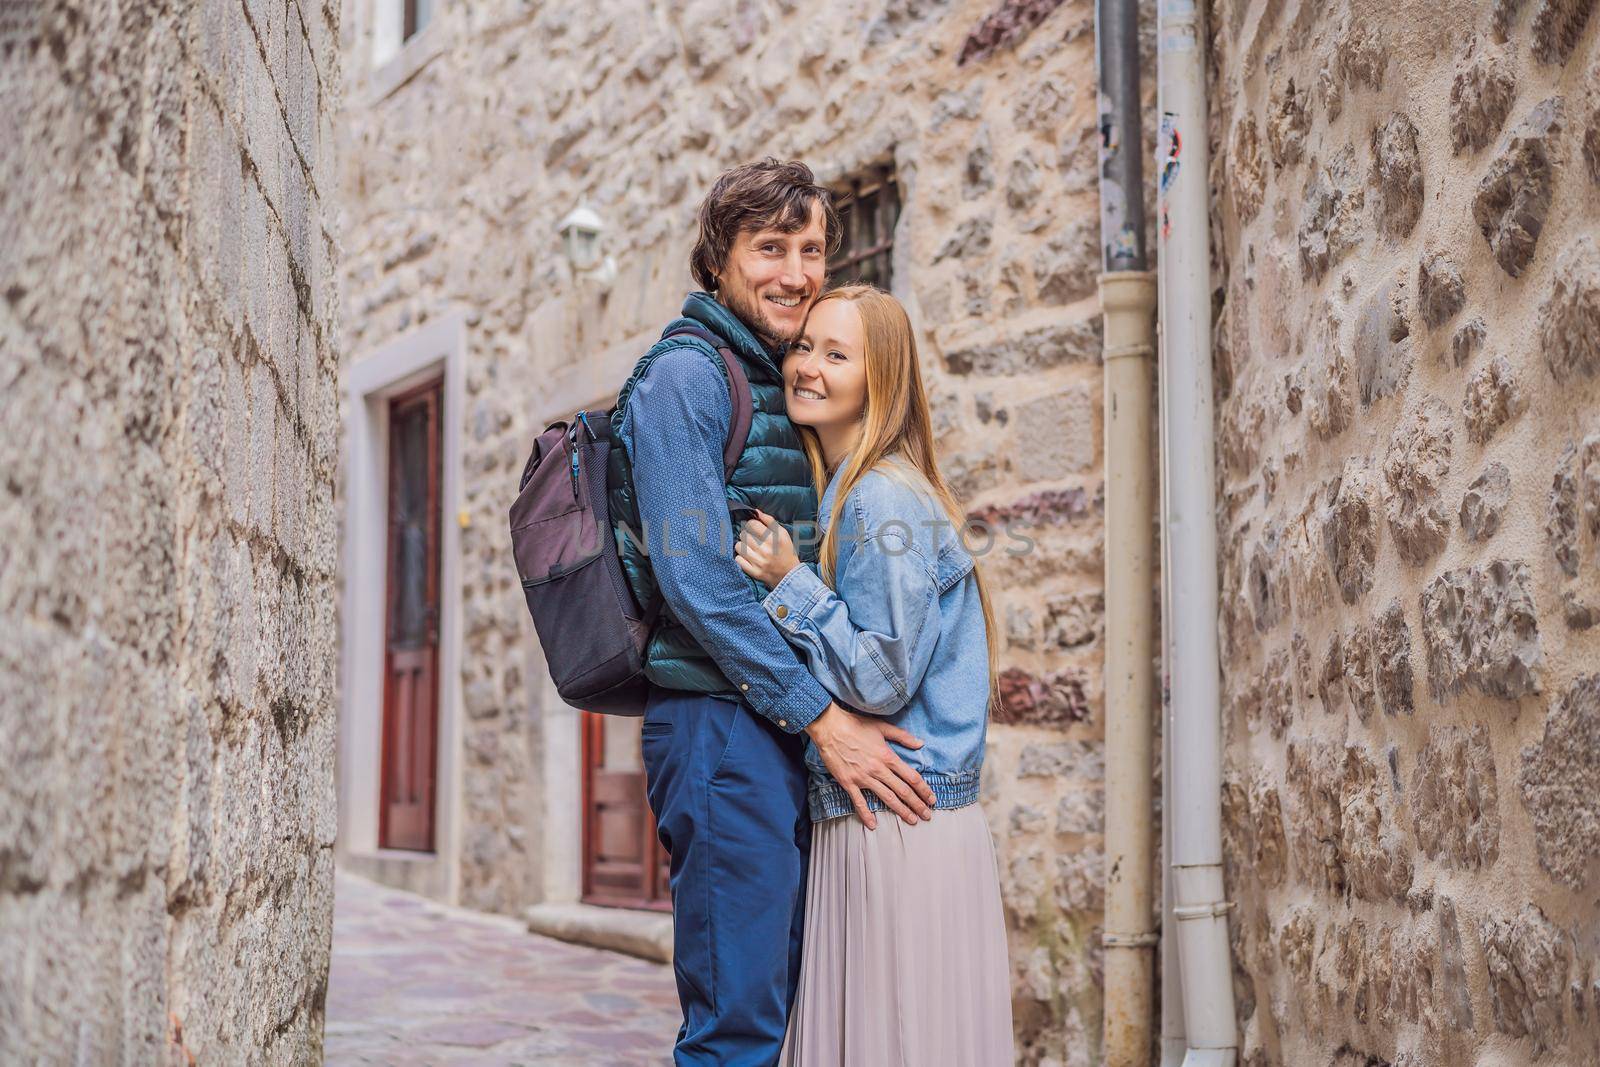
(414, 982)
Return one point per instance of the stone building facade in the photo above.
(1406, 216)
(168, 433)
(468, 139)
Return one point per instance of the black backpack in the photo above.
(563, 540)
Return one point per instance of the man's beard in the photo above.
(755, 317)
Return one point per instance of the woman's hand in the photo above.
(765, 551)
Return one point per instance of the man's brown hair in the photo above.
(771, 193)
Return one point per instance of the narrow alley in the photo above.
(1251, 349)
(418, 983)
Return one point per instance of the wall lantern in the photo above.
(581, 232)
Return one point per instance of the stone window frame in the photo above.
(435, 350)
(876, 188)
(415, 17)
(396, 57)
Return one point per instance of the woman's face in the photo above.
(825, 372)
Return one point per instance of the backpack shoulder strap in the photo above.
(738, 393)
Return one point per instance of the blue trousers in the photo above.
(728, 790)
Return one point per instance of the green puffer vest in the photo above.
(772, 474)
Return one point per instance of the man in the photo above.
(724, 732)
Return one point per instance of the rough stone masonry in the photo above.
(168, 432)
(1409, 426)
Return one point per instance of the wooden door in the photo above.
(623, 863)
(411, 648)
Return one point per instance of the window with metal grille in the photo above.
(869, 206)
(417, 15)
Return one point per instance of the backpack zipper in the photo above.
(572, 439)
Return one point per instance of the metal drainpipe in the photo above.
(1173, 1043)
(1199, 908)
(1127, 301)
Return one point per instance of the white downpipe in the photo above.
(1199, 906)
(1173, 1045)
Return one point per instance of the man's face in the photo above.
(772, 278)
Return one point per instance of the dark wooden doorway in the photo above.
(411, 644)
(624, 865)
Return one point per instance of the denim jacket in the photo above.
(901, 637)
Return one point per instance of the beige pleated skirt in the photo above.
(904, 963)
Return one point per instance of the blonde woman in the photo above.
(904, 953)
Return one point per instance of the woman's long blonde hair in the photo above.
(896, 423)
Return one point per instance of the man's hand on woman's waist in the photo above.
(856, 752)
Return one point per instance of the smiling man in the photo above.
(731, 704)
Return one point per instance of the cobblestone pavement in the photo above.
(414, 982)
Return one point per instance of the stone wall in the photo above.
(1408, 210)
(506, 115)
(167, 433)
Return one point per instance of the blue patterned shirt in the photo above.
(675, 424)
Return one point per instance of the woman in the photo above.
(905, 947)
